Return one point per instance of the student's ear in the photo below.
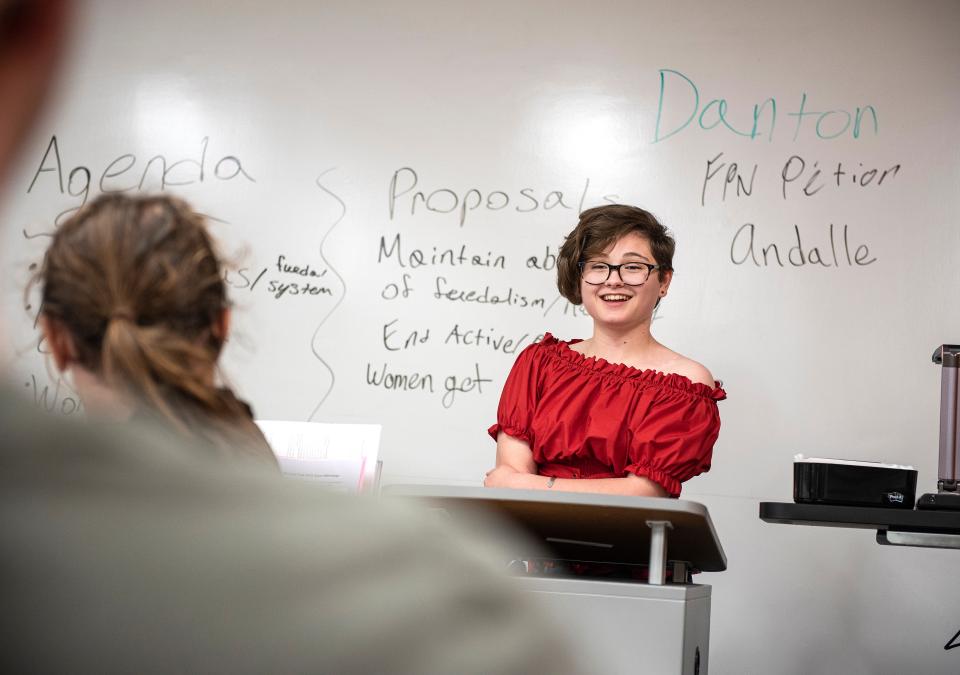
(665, 282)
(59, 341)
(221, 327)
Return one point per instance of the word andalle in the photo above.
(834, 246)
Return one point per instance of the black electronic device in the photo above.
(853, 483)
(825, 497)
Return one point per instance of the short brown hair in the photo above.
(138, 284)
(599, 228)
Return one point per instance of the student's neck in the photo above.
(622, 346)
(99, 400)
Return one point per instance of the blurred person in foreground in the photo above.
(125, 552)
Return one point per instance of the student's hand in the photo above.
(500, 477)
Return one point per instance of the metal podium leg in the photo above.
(949, 409)
(924, 539)
(658, 550)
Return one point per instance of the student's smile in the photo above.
(613, 301)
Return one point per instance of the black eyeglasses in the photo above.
(631, 273)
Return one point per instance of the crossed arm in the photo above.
(516, 469)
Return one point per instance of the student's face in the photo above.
(616, 304)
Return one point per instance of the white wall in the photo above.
(323, 105)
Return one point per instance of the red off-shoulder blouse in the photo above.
(588, 418)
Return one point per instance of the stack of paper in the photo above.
(340, 456)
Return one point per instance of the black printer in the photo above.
(853, 483)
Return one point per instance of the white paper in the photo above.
(850, 462)
(341, 474)
(341, 456)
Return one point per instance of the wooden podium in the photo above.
(657, 626)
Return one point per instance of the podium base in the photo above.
(625, 628)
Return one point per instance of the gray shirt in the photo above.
(124, 550)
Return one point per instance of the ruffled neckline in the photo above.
(654, 377)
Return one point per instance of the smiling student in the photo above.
(618, 412)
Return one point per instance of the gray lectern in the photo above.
(658, 626)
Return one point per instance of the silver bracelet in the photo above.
(550, 481)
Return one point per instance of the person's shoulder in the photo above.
(540, 346)
(692, 370)
(549, 340)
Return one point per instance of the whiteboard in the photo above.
(391, 182)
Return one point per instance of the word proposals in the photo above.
(405, 193)
(679, 108)
(126, 172)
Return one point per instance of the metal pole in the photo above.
(949, 357)
(658, 551)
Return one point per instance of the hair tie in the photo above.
(123, 314)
